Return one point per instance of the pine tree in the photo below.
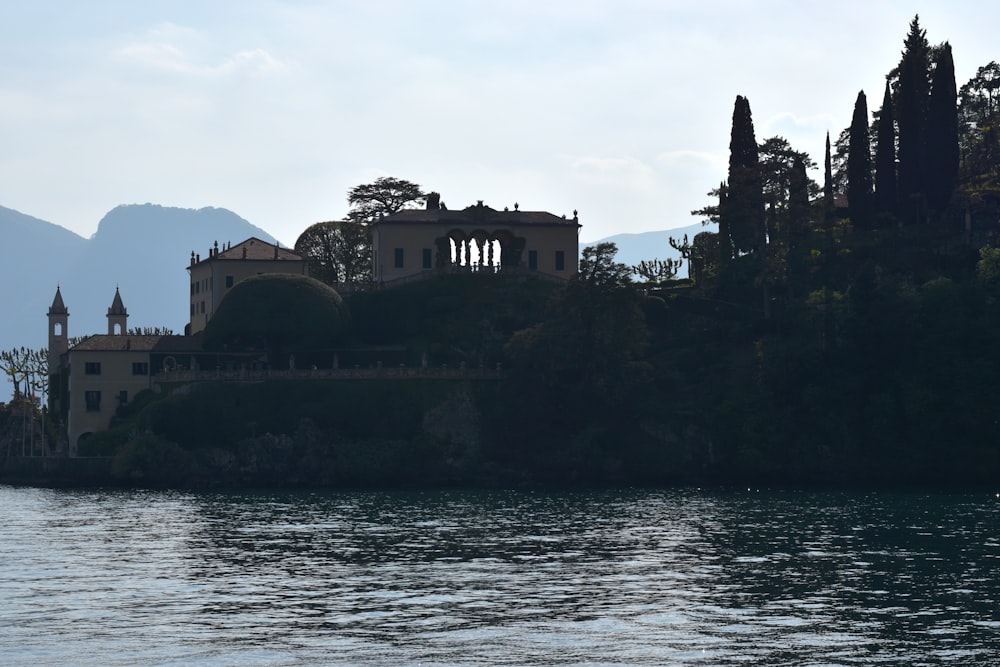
(942, 132)
(911, 117)
(744, 209)
(885, 158)
(859, 168)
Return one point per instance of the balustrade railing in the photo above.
(356, 373)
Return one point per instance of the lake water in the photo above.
(637, 577)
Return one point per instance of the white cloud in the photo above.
(618, 172)
(184, 51)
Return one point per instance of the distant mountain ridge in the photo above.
(142, 249)
(634, 248)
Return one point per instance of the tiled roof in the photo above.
(105, 343)
(257, 249)
(477, 215)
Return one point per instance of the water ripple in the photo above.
(499, 578)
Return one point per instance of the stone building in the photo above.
(90, 380)
(412, 243)
(213, 276)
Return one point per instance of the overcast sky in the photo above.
(273, 110)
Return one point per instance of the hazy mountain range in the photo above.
(141, 249)
(634, 248)
(144, 249)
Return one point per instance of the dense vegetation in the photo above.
(281, 313)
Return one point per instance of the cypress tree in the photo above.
(911, 118)
(942, 132)
(859, 168)
(744, 210)
(725, 237)
(885, 158)
(829, 206)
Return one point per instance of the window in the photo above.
(532, 260)
(197, 287)
(123, 397)
(397, 258)
(93, 400)
(92, 368)
(140, 368)
(229, 282)
(427, 258)
(560, 260)
(201, 307)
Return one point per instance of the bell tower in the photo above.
(58, 336)
(117, 316)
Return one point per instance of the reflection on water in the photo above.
(498, 578)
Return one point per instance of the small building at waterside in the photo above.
(89, 381)
(415, 242)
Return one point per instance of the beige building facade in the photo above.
(412, 243)
(89, 381)
(214, 276)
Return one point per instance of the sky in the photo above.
(619, 109)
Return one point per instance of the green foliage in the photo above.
(338, 251)
(942, 132)
(778, 164)
(657, 271)
(912, 98)
(979, 139)
(150, 460)
(743, 206)
(885, 158)
(587, 354)
(149, 331)
(283, 313)
(860, 190)
(453, 318)
(988, 266)
(385, 196)
(599, 269)
(27, 369)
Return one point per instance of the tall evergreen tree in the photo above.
(744, 209)
(911, 117)
(885, 157)
(828, 204)
(942, 132)
(860, 195)
(725, 237)
(979, 135)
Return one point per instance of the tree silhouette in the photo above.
(859, 168)
(885, 157)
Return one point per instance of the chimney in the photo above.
(433, 201)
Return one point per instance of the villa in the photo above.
(90, 380)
